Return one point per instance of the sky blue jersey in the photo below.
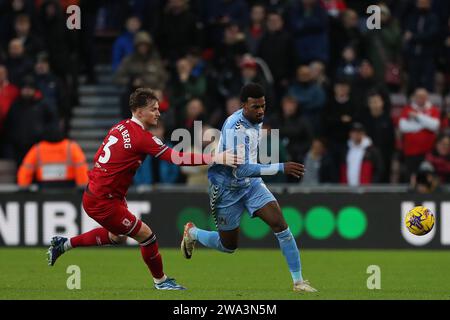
(243, 137)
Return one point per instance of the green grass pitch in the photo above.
(119, 273)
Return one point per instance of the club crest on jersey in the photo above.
(126, 222)
(158, 142)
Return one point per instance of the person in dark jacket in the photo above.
(56, 37)
(255, 30)
(276, 48)
(18, 63)
(217, 14)
(310, 95)
(308, 22)
(178, 30)
(27, 119)
(381, 130)
(439, 158)
(52, 88)
(338, 117)
(420, 45)
(319, 165)
(33, 44)
(295, 132)
(365, 83)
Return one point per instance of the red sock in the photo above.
(95, 237)
(151, 256)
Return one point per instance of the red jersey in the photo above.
(420, 142)
(122, 152)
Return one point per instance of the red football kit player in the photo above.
(115, 163)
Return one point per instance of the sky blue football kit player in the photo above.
(234, 190)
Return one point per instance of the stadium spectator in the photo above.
(334, 7)
(250, 70)
(380, 129)
(445, 54)
(338, 117)
(361, 161)
(384, 48)
(277, 50)
(18, 63)
(219, 115)
(148, 12)
(308, 23)
(27, 119)
(153, 170)
(8, 93)
(199, 66)
(57, 38)
(178, 30)
(86, 48)
(318, 74)
(365, 83)
(348, 66)
(283, 156)
(184, 85)
(31, 42)
(344, 32)
(232, 46)
(425, 181)
(420, 45)
(319, 165)
(295, 131)
(10, 10)
(124, 44)
(419, 124)
(199, 176)
(194, 111)
(256, 29)
(439, 158)
(51, 87)
(218, 14)
(55, 162)
(143, 67)
(310, 96)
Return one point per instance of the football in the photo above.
(419, 221)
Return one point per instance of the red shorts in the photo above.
(112, 214)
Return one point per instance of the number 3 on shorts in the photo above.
(105, 158)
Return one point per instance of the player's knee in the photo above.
(117, 239)
(279, 226)
(144, 233)
(228, 247)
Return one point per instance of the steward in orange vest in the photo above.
(54, 162)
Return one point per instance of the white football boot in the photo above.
(303, 286)
(187, 243)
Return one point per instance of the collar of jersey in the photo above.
(136, 120)
(251, 125)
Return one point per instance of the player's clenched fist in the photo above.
(294, 169)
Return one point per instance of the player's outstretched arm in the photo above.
(257, 170)
(227, 158)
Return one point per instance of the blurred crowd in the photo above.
(355, 105)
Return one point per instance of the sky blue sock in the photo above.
(209, 239)
(291, 253)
